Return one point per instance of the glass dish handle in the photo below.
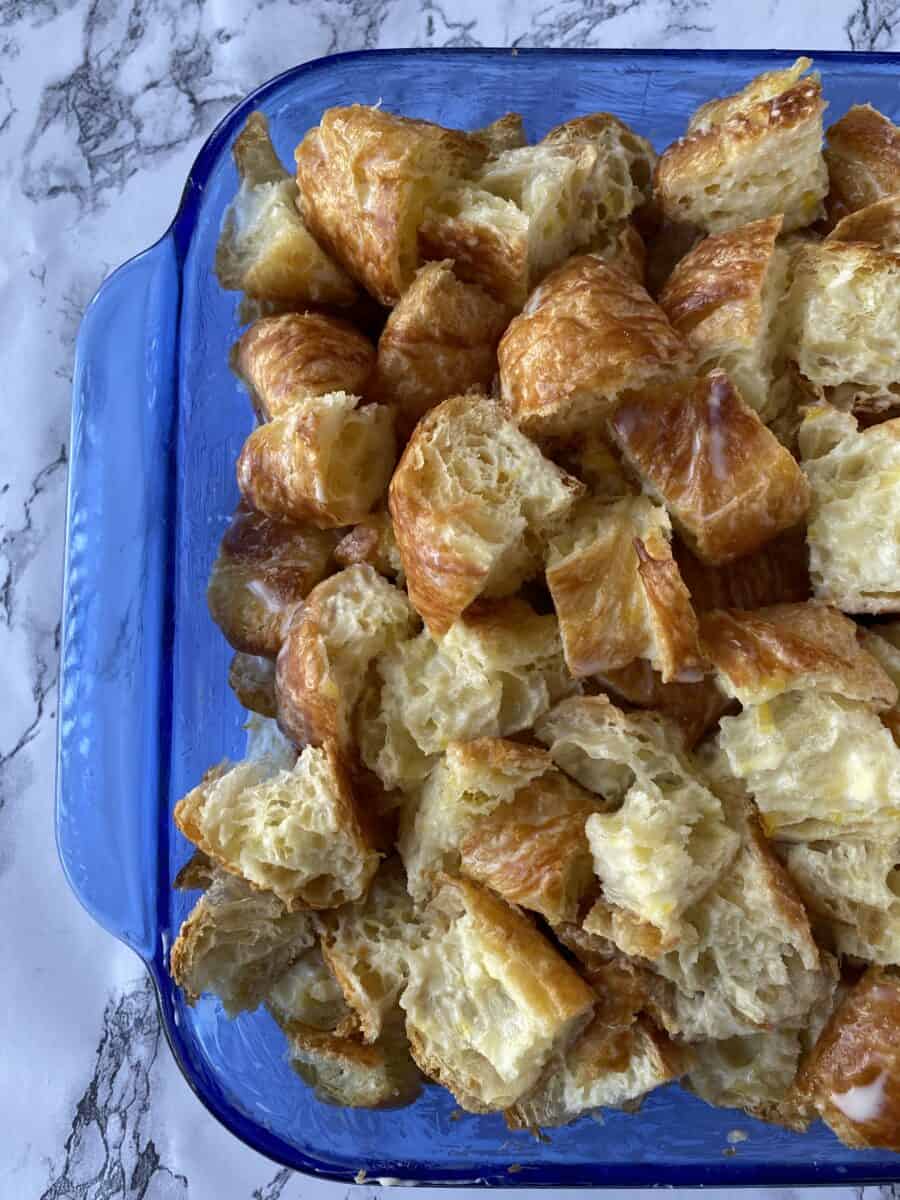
(114, 707)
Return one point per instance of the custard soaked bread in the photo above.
(473, 502)
(749, 156)
(295, 832)
(618, 593)
(489, 1001)
(494, 672)
(265, 249)
(559, 594)
(528, 209)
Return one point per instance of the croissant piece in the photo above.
(617, 591)
(440, 341)
(296, 356)
(365, 178)
(265, 250)
(728, 483)
(472, 500)
(750, 156)
(489, 1000)
(863, 157)
(588, 335)
(263, 570)
(327, 460)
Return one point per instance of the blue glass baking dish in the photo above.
(157, 424)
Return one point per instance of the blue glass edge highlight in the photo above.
(714, 1172)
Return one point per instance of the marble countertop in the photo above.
(103, 105)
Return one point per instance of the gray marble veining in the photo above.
(103, 104)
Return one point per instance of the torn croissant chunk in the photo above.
(728, 483)
(493, 673)
(500, 813)
(472, 502)
(367, 944)
(439, 341)
(293, 831)
(263, 570)
(527, 209)
(618, 593)
(347, 621)
(863, 157)
(588, 335)
(852, 888)
(668, 840)
(296, 356)
(750, 156)
(489, 1000)
(851, 1077)
(236, 943)
(327, 460)
(265, 249)
(365, 178)
(724, 296)
(854, 557)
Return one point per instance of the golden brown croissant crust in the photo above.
(327, 460)
(472, 501)
(724, 297)
(792, 646)
(863, 157)
(298, 355)
(725, 478)
(264, 569)
(878, 223)
(727, 170)
(534, 852)
(265, 250)
(617, 591)
(440, 341)
(588, 333)
(715, 291)
(852, 1077)
(365, 178)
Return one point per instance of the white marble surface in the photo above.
(103, 105)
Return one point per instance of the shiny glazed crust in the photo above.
(295, 356)
(863, 157)
(263, 570)
(790, 647)
(852, 1077)
(728, 483)
(589, 333)
(365, 178)
(440, 341)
